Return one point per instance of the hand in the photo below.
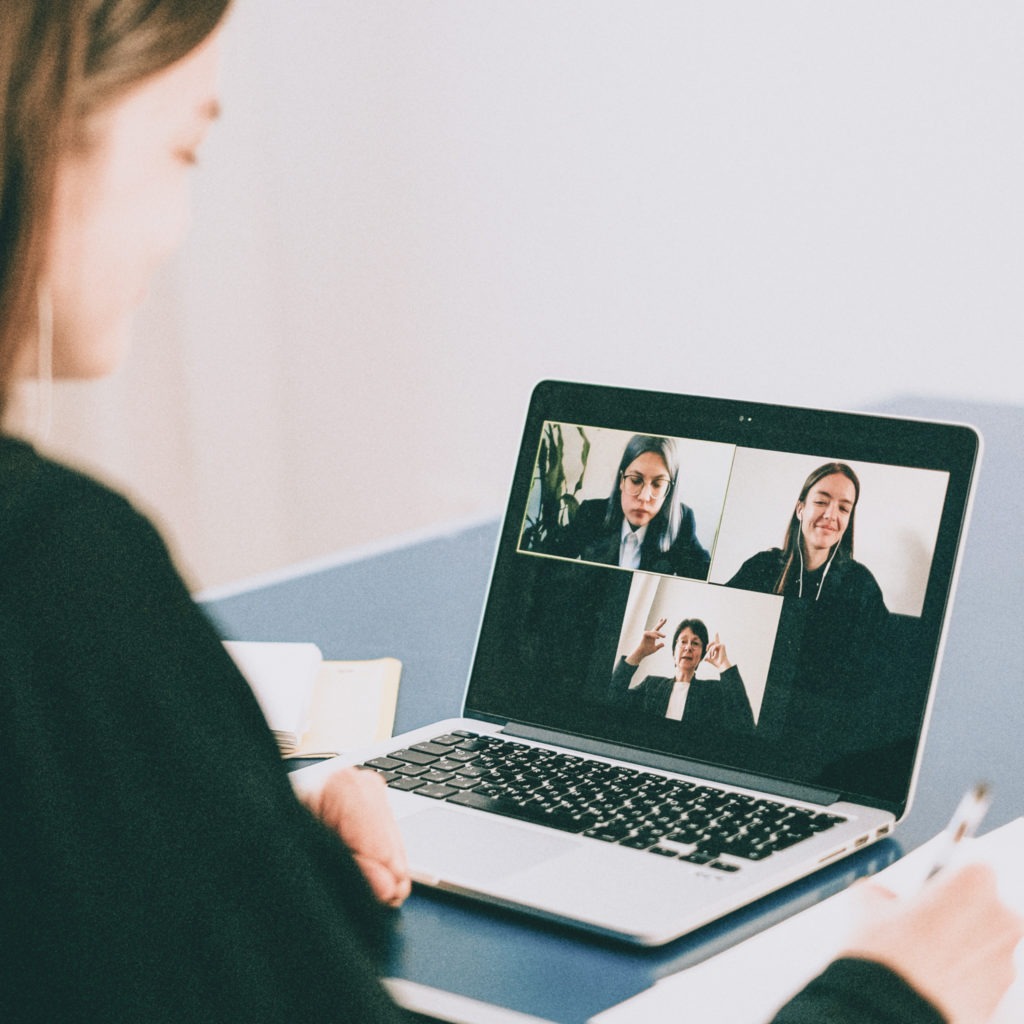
(652, 640)
(716, 655)
(353, 801)
(954, 942)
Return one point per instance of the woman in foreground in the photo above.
(155, 862)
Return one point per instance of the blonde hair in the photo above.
(60, 62)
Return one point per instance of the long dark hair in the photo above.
(790, 545)
(664, 527)
(60, 62)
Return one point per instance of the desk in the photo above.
(421, 602)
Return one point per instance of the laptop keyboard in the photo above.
(612, 803)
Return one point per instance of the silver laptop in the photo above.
(705, 664)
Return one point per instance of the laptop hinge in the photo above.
(651, 759)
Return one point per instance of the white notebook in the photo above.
(318, 708)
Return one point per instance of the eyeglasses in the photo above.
(636, 484)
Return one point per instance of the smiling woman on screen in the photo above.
(155, 863)
(816, 560)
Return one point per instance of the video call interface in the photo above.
(754, 609)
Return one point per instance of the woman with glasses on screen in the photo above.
(643, 523)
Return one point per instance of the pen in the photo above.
(964, 823)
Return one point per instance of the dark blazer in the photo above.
(589, 538)
(711, 705)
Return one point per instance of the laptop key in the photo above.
(474, 745)
(461, 755)
(405, 782)
(561, 820)
(431, 748)
(823, 822)
(665, 852)
(436, 790)
(640, 841)
(384, 764)
(697, 857)
(412, 756)
(462, 783)
(613, 832)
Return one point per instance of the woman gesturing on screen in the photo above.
(703, 705)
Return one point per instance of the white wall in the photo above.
(413, 211)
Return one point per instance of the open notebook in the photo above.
(655, 733)
(318, 708)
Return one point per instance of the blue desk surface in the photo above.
(422, 602)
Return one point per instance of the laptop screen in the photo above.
(753, 588)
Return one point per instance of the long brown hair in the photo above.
(60, 62)
(790, 544)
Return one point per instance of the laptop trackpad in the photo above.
(447, 845)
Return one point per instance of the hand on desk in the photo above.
(954, 942)
(353, 802)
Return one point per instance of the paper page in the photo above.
(353, 705)
(282, 675)
(775, 964)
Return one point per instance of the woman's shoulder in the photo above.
(31, 483)
(27, 477)
(770, 556)
(854, 573)
(590, 516)
(769, 559)
(854, 568)
(760, 571)
(52, 513)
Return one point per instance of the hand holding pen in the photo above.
(965, 822)
(954, 940)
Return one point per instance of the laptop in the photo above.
(705, 663)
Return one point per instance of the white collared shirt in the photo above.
(629, 553)
(677, 700)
